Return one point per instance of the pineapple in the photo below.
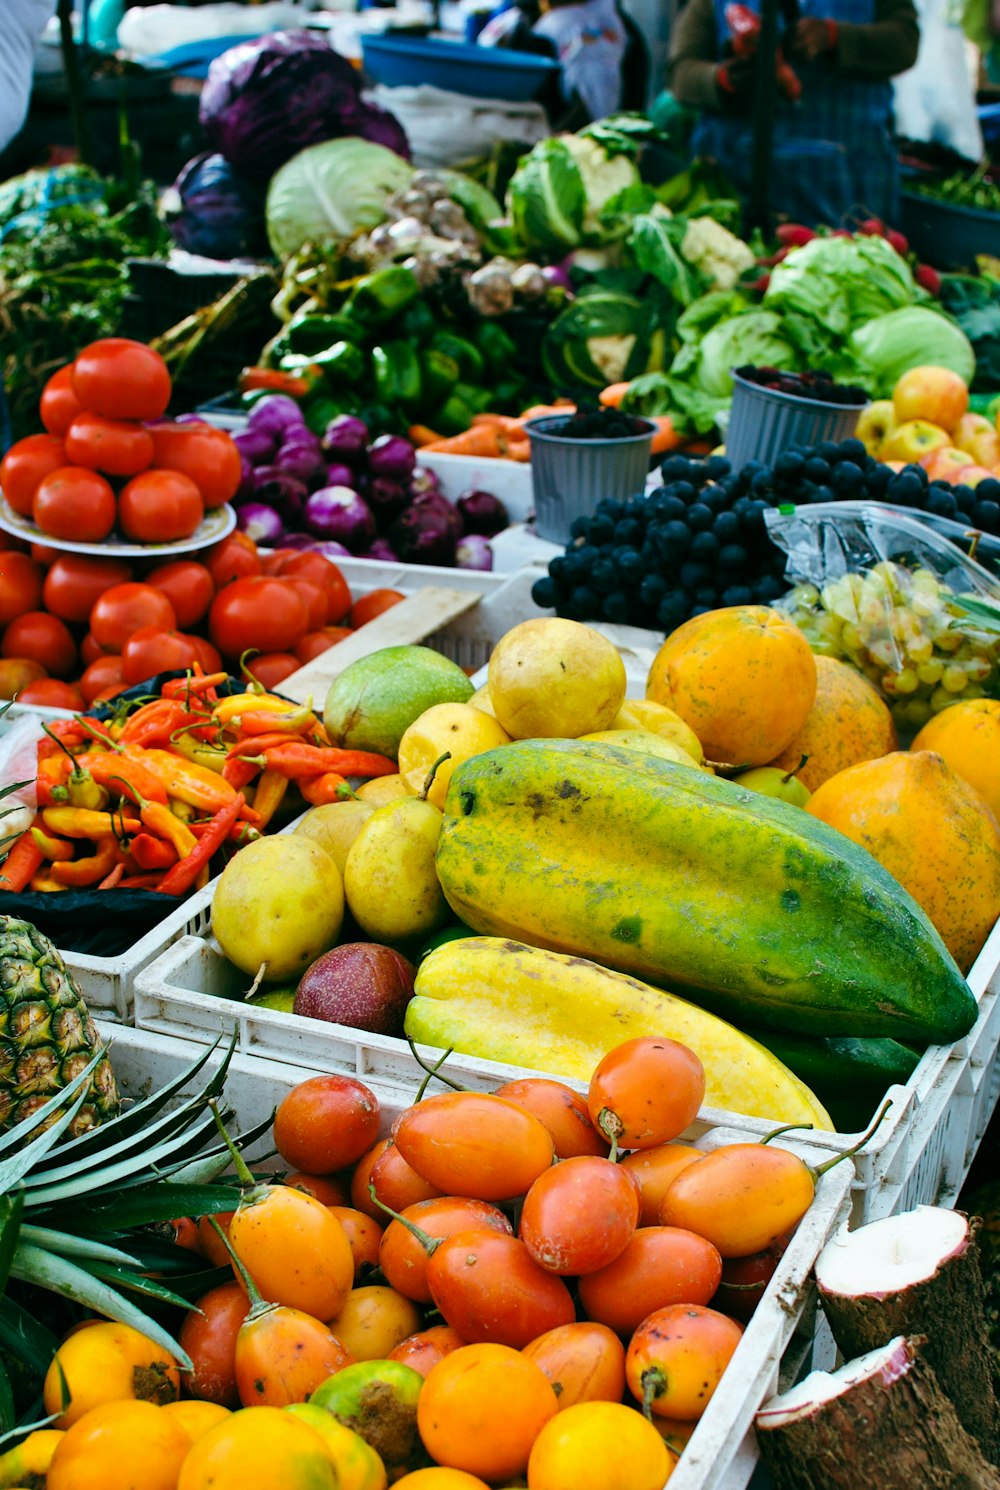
(47, 1036)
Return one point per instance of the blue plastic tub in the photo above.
(482, 72)
(948, 236)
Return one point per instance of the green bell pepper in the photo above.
(311, 334)
(440, 375)
(417, 323)
(469, 358)
(497, 347)
(453, 417)
(320, 411)
(397, 374)
(379, 297)
(479, 400)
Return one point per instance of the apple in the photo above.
(933, 393)
(976, 434)
(772, 781)
(876, 424)
(970, 476)
(942, 463)
(361, 984)
(911, 441)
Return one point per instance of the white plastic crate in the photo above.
(920, 1154)
(722, 1453)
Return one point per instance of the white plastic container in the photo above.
(510, 480)
(722, 1453)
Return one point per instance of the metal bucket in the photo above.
(569, 476)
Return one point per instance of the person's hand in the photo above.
(735, 78)
(811, 38)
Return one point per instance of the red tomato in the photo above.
(235, 557)
(272, 668)
(150, 650)
(320, 571)
(20, 585)
(315, 642)
(43, 639)
(187, 585)
(211, 661)
(59, 405)
(373, 604)
(75, 504)
(24, 465)
(49, 693)
(123, 609)
(204, 454)
(42, 554)
(99, 675)
(121, 379)
(313, 597)
(76, 581)
(116, 447)
(273, 561)
(257, 612)
(159, 507)
(326, 1123)
(90, 650)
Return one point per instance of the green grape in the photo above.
(920, 650)
(906, 681)
(954, 679)
(930, 672)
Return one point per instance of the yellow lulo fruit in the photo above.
(280, 902)
(457, 731)
(646, 743)
(644, 714)
(553, 678)
(30, 1459)
(356, 1463)
(335, 825)
(390, 880)
(108, 1362)
(383, 789)
(504, 1001)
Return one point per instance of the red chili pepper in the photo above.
(114, 879)
(183, 875)
(330, 787)
(125, 776)
(240, 773)
(152, 853)
(22, 863)
(240, 833)
(276, 381)
(195, 685)
(154, 723)
(256, 744)
(139, 881)
(293, 758)
(269, 722)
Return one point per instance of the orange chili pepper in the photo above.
(196, 785)
(90, 870)
(23, 861)
(330, 787)
(50, 847)
(271, 789)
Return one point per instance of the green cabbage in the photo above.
(890, 345)
(561, 188)
(601, 338)
(333, 190)
(842, 282)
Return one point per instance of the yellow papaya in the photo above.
(503, 1001)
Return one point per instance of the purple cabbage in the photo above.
(212, 210)
(427, 532)
(382, 128)
(276, 415)
(346, 439)
(261, 523)
(392, 456)
(474, 552)
(338, 512)
(482, 512)
(265, 100)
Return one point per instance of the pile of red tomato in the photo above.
(77, 629)
(109, 460)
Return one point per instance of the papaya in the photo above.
(744, 904)
(850, 1077)
(503, 1001)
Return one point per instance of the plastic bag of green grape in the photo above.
(907, 607)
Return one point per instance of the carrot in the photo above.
(480, 439)
(697, 447)
(612, 395)
(505, 422)
(420, 435)
(561, 406)
(665, 436)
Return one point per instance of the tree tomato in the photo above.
(585, 1362)
(646, 1092)
(561, 1110)
(257, 612)
(76, 581)
(403, 1259)
(326, 1123)
(396, 1184)
(187, 585)
(20, 585)
(43, 639)
(471, 1143)
(488, 1287)
(271, 668)
(315, 642)
(151, 650)
(75, 504)
(367, 607)
(677, 1358)
(59, 405)
(115, 447)
(208, 1334)
(201, 452)
(323, 572)
(123, 609)
(24, 466)
(159, 507)
(579, 1215)
(236, 557)
(99, 675)
(121, 379)
(661, 1265)
(50, 693)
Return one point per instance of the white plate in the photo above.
(214, 526)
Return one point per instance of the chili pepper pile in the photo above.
(146, 799)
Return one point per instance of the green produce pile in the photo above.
(64, 238)
(961, 190)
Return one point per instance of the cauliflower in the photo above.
(717, 253)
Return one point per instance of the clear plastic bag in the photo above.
(905, 606)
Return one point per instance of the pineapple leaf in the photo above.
(7, 1413)
(27, 1155)
(32, 1265)
(160, 1201)
(84, 1249)
(22, 1336)
(11, 1210)
(138, 1283)
(135, 1170)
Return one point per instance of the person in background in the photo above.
(833, 150)
(21, 24)
(604, 64)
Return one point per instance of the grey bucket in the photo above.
(569, 477)
(764, 422)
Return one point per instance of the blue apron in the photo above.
(833, 153)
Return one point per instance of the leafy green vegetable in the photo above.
(333, 190)
(559, 191)
(889, 345)
(842, 282)
(654, 246)
(974, 302)
(601, 338)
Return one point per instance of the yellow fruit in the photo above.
(849, 722)
(260, 1447)
(280, 901)
(932, 832)
(196, 1418)
(743, 678)
(390, 880)
(120, 1446)
(456, 730)
(967, 736)
(335, 825)
(382, 789)
(599, 1444)
(108, 1363)
(555, 678)
(645, 743)
(481, 700)
(438, 1478)
(373, 1321)
(357, 1465)
(642, 713)
(30, 1459)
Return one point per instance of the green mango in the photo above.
(378, 1399)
